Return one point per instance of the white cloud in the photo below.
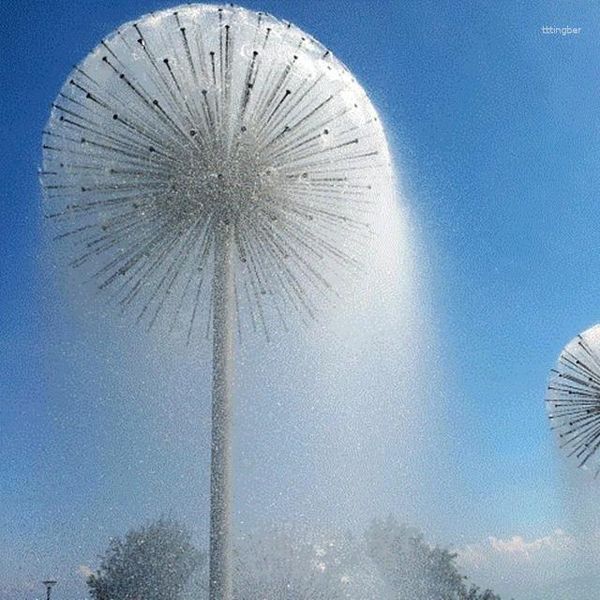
(518, 546)
(515, 547)
(515, 566)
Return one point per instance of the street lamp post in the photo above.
(49, 583)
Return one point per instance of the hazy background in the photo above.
(426, 400)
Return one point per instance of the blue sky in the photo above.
(496, 133)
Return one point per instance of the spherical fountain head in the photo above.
(199, 118)
(573, 399)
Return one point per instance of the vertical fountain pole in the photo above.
(221, 468)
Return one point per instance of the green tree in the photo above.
(301, 563)
(414, 570)
(153, 562)
(474, 594)
(392, 563)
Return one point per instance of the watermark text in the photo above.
(551, 30)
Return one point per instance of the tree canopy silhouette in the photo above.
(152, 562)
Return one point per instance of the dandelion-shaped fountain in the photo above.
(214, 165)
(574, 398)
